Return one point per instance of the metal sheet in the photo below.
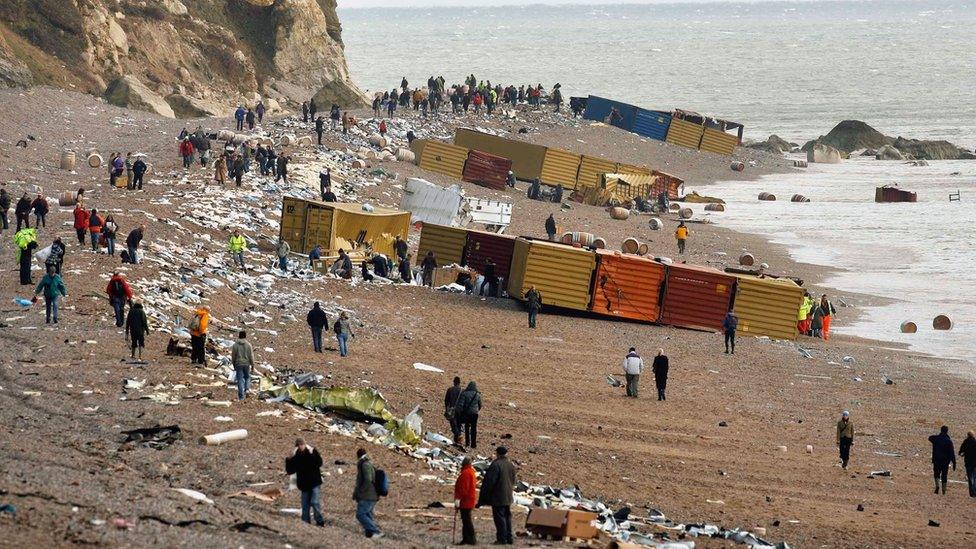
(767, 307)
(447, 243)
(719, 142)
(560, 168)
(319, 229)
(444, 158)
(652, 124)
(417, 146)
(487, 170)
(685, 134)
(598, 108)
(526, 158)
(430, 203)
(627, 286)
(483, 245)
(293, 222)
(562, 274)
(591, 171)
(696, 297)
(671, 182)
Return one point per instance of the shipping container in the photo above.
(487, 170)
(447, 243)
(417, 146)
(670, 182)
(526, 158)
(591, 171)
(887, 193)
(767, 307)
(331, 225)
(696, 297)
(685, 133)
(719, 142)
(631, 168)
(562, 274)
(560, 168)
(444, 158)
(627, 286)
(627, 186)
(600, 109)
(652, 124)
(483, 245)
(430, 203)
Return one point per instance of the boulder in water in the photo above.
(887, 152)
(851, 135)
(774, 144)
(823, 154)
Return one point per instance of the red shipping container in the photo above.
(627, 286)
(486, 170)
(667, 182)
(482, 245)
(696, 297)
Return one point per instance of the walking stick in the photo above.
(454, 528)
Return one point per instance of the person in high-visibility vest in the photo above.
(26, 241)
(681, 234)
(237, 245)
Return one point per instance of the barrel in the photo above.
(800, 164)
(405, 155)
(630, 246)
(288, 140)
(655, 224)
(599, 243)
(685, 213)
(799, 198)
(747, 259)
(643, 249)
(358, 164)
(94, 160)
(68, 160)
(583, 239)
(619, 213)
(304, 141)
(908, 327)
(378, 140)
(67, 198)
(769, 197)
(942, 322)
(738, 166)
(714, 207)
(674, 207)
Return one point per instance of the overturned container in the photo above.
(767, 307)
(482, 246)
(561, 274)
(447, 243)
(696, 297)
(626, 286)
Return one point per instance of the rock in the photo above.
(860, 507)
(13, 72)
(929, 150)
(851, 135)
(723, 424)
(191, 107)
(774, 144)
(173, 6)
(887, 152)
(933, 523)
(823, 154)
(118, 36)
(128, 91)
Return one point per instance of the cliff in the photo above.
(178, 57)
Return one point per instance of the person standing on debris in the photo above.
(325, 184)
(534, 301)
(465, 498)
(203, 146)
(282, 173)
(428, 265)
(968, 450)
(56, 257)
(239, 117)
(26, 241)
(497, 491)
(816, 321)
(220, 170)
(136, 328)
(334, 115)
(119, 293)
(319, 127)
(109, 231)
(391, 106)
(365, 494)
(551, 228)
(400, 246)
(317, 321)
(633, 366)
(139, 169)
(198, 335)
(22, 211)
(249, 117)
(116, 169)
(52, 287)
(260, 109)
(238, 167)
(729, 325)
(450, 409)
(343, 332)
(132, 242)
(306, 464)
(943, 453)
(186, 152)
(845, 437)
(490, 279)
(467, 409)
(660, 367)
(305, 112)
(4, 208)
(242, 357)
(406, 273)
(510, 179)
(237, 244)
(382, 128)
(95, 224)
(681, 235)
(283, 249)
(41, 208)
(828, 313)
(381, 265)
(364, 271)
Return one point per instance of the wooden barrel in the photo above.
(909, 327)
(800, 164)
(643, 249)
(768, 197)
(378, 140)
(655, 224)
(738, 166)
(747, 259)
(599, 243)
(713, 207)
(288, 140)
(405, 155)
(619, 213)
(674, 207)
(67, 198)
(94, 160)
(942, 322)
(799, 198)
(304, 141)
(68, 160)
(685, 213)
(358, 164)
(630, 245)
(583, 239)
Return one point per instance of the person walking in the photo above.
(551, 228)
(312, 108)
(282, 168)
(4, 208)
(283, 249)
(186, 152)
(249, 118)
(198, 335)
(943, 453)
(317, 321)
(334, 115)
(729, 324)
(319, 127)
(109, 230)
(365, 494)
(660, 367)
(22, 211)
(242, 357)
(238, 167)
(968, 450)
(343, 332)
(406, 272)
(239, 115)
(53, 289)
(816, 321)
(467, 409)
(95, 223)
(845, 437)
(26, 242)
(450, 409)
(305, 112)
(56, 257)
(41, 208)
(633, 366)
(428, 265)
(119, 293)
(306, 464)
(497, 491)
(203, 146)
(220, 170)
(237, 244)
(259, 110)
(681, 235)
(132, 242)
(803, 315)
(465, 499)
(136, 328)
(534, 300)
(81, 222)
(828, 314)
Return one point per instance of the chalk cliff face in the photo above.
(182, 57)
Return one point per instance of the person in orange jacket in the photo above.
(81, 222)
(95, 223)
(465, 498)
(119, 293)
(198, 335)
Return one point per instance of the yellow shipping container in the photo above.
(630, 168)
(447, 243)
(444, 158)
(526, 158)
(685, 134)
(307, 223)
(767, 307)
(560, 168)
(591, 171)
(562, 274)
(417, 146)
(719, 142)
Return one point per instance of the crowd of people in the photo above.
(473, 95)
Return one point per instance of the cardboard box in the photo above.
(559, 523)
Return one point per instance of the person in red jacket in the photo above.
(186, 151)
(465, 498)
(119, 293)
(81, 223)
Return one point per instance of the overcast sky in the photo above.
(424, 3)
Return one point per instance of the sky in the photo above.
(426, 3)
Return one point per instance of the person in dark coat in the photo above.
(136, 328)
(24, 258)
(497, 491)
(306, 464)
(467, 409)
(366, 274)
(428, 265)
(450, 405)
(365, 494)
(312, 108)
(490, 280)
(40, 207)
(400, 246)
(139, 169)
(319, 127)
(406, 274)
(943, 453)
(22, 211)
(660, 367)
(305, 111)
(282, 172)
(4, 208)
(132, 242)
(534, 300)
(317, 321)
(325, 182)
(249, 117)
(56, 257)
(968, 450)
(380, 266)
(729, 324)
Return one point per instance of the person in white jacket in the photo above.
(633, 366)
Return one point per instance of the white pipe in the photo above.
(217, 439)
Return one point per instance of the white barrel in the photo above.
(685, 213)
(304, 141)
(94, 160)
(643, 249)
(619, 213)
(217, 439)
(655, 224)
(909, 327)
(358, 164)
(378, 140)
(747, 259)
(288, 139)
(630, 245)
(405, 155)
(68, 160)
(714, 207)
(738, 166)
(942, 322)
(768, 197)
(674, 207)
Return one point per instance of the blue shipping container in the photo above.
(598, 108)
(652, 124)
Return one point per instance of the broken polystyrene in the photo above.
(426, 368)
(193, 494)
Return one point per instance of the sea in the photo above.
(794, 69)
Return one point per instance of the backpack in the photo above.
(195, 323)
(118, 290)
(337, 328)
(381, 483)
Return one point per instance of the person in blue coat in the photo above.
(943, 453)
(239, 115)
